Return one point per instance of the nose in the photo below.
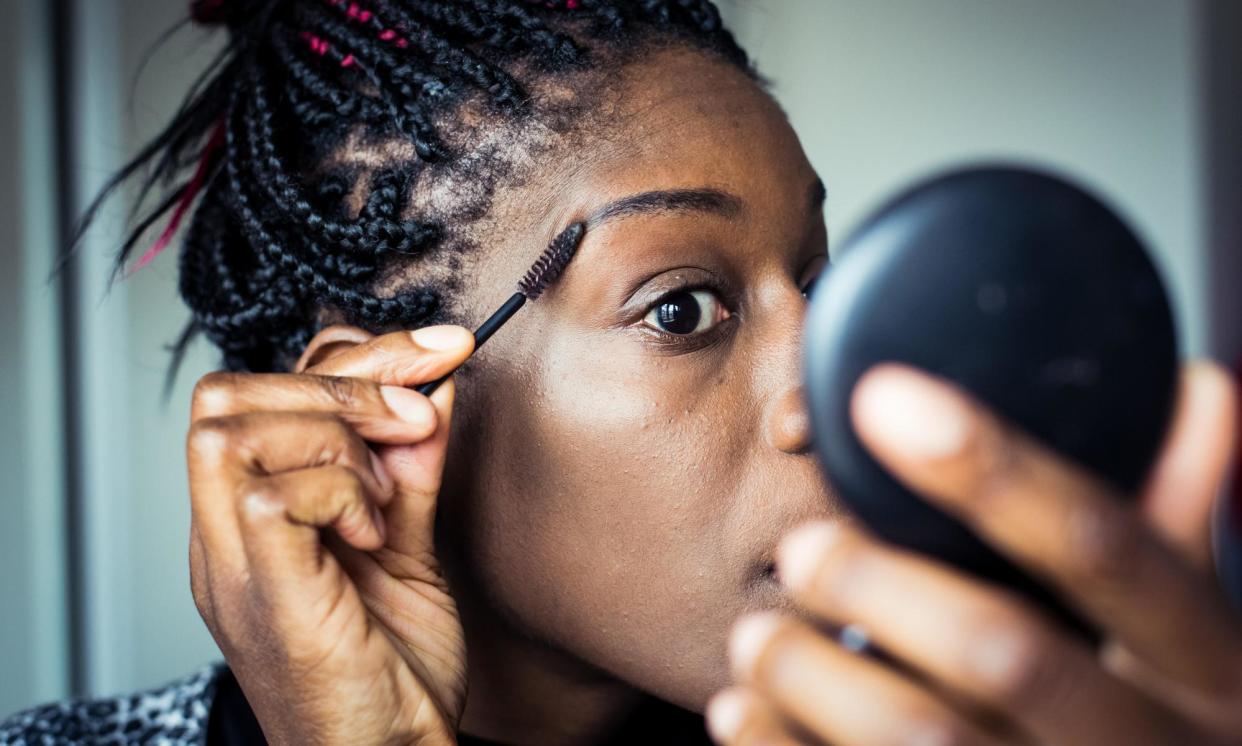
(787, 424)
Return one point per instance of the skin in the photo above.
(609, 500)
(643, 478)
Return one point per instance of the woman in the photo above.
(627, 471)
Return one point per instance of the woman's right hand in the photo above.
(311, 552)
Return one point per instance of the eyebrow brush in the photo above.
(546, 269)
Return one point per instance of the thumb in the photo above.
(417, 471)
(1194, 462)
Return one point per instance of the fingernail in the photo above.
(381, 473)
(749, 639)
(410, 406)
(908, 411)
(441, 338)
(801, 553)
(726, 713)
(381, 525)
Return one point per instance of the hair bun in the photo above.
(210, 12)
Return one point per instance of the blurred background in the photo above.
(1141, 99)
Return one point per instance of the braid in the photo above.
(378, 231)
(273, 247)
(400, 88)
(263, 234)
(319, 101)
(457, 63)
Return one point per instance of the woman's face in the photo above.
(630, 448)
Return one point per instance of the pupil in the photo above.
(679, 313)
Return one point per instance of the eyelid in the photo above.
(813, 269)
(668, 281)
(668, 343)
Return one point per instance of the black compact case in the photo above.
(1023, 289)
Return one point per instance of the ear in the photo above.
(329, 343)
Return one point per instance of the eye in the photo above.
(808, 290)
(686, 312)
(812, 276)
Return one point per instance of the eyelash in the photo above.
(698, 340)
(695, 340)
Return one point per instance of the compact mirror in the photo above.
(1025, 290)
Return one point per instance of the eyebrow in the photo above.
(704, 200)
(712, 201)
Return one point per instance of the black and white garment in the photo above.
(207, 708)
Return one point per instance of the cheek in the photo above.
(621, 476)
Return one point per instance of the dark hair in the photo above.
(274, 247)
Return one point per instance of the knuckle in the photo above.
(1103, 547)
(341, 445)
(211, 436)
(350, 496)
(213, 394)
(997, 458)
(259, 501)
(342, 391)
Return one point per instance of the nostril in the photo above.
(771, 572)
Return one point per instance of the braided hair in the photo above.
(284, 234)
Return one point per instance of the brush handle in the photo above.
(481, 335)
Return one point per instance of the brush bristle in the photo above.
(552, 262)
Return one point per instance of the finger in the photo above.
(975, 641)
(740, 717)
(1186, 479)
(263, 443)
(403, 358)
(406, 359)
(225, 452)
(418, 471)
(1052, 517)
(280, 518)
(298, 585)
(385, 414)
(836, 695)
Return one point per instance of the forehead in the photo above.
(684, 118)
(677, 119)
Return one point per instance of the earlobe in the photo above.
(329, 343)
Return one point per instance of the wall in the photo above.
(172, 635)
(141, 624)
(886, 91)
(33, 630)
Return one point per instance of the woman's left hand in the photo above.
(975, 663)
